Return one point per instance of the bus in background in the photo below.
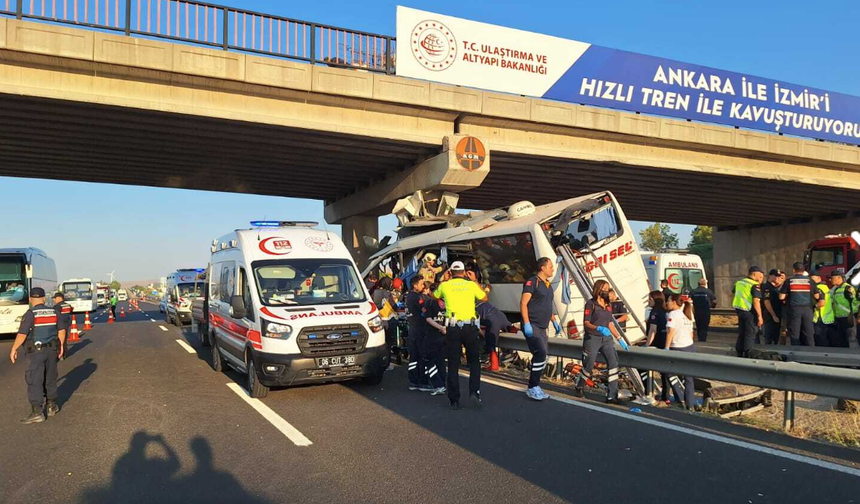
(681, 270)
(502, 246)
(20, 271)
(80, 294)
(102, 294)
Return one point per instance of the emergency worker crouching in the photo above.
(42, 333)
(460, 295)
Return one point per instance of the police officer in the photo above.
(434, 344)
(747, 304)
(42, 335)
(415, 306)
(703, 300)
(536, 311)
(844, 307)
(822, 317)
(600, 336)
(113, 301)
(772, 307)
(64, 311)
(800, 295)
(460, 295)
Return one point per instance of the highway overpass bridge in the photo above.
(90, 105)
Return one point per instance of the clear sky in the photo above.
(143, 233)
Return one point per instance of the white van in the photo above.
(503, 246)
(20, 271)
(80, 294)
(183, 286)
(287, 306)
(121, 295)
(681, 270)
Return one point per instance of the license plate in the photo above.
(343, 360)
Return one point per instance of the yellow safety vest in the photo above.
(842, 306)
(743, 294)
(825, 314)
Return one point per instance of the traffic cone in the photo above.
(494, 362)
(110, 316)
(122, 313)
(74, 333)
(87, 324)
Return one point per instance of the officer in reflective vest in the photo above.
(823, 318)
(800, 296)
(460, 296)
(42, 336)
(64, 311)
(845, 305)
(747, 304)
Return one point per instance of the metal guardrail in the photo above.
(790, 377)
(218, 26)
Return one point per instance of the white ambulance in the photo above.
(20, 271)
(183, 286)
(287, 306)
(503, 247)
(681, 270)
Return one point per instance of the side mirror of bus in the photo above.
(237, 307)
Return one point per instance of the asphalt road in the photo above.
(145, 419)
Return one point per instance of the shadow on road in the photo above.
(71, 381)
(72, 349)
(137, 478)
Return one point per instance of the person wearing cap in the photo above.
(822, 317)
(42, 334)
(703, 300)
(747, 304)
(845, 305)
(536, 305)
(772, 307)
(63, 309)
(460, 295)
(800, 296)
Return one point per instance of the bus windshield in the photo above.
(77, 290)
(588, 224)
(307, 282)
(13, 281)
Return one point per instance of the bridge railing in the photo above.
(219, 26)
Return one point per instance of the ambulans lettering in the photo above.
(620, 251)
(679, 264)
(324, 314)
(276, 245)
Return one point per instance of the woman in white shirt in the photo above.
(679, 336)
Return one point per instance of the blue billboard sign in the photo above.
(606, 77)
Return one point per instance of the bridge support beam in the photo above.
(778, 245)
(463, 164)
(353, 231)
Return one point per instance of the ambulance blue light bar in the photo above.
(275, 224)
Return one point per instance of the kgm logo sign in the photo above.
(276, 245)
(433, 45)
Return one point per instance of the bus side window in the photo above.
(506, 259)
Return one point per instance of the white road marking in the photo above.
(692, 432)
(152, 320)
(188, 348)
(163, 328)
(282, 425)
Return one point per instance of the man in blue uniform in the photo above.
(42, 336)
(415, 306)
(772, 307)
(536, 311)
(800, 296)
(703, 300)
(64, 313)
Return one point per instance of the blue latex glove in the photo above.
(527, 330)
(623, 344)
(604, 331)
(557, 327)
